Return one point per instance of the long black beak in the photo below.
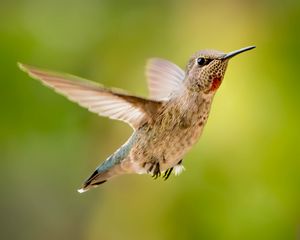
(236, 52)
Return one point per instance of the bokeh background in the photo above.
(242, 180)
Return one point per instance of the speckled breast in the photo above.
(172, 133)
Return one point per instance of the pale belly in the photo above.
(166, 146)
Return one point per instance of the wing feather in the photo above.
(163, 77)
(105, 102)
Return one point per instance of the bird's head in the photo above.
(206, 69)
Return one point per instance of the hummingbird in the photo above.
(165, 125)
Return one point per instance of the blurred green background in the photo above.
(242, 180)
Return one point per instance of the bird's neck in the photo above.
(189, 100)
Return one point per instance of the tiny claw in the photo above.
(156, 172)
(167, 173)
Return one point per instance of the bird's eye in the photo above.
(201, 61)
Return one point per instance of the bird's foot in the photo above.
(178, 168)
(167, 173)
(156, 171)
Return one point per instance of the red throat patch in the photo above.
(215, 84)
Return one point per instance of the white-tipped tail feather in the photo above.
(82, 190)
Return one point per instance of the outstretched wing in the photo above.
(96, 98)
(163, 77)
